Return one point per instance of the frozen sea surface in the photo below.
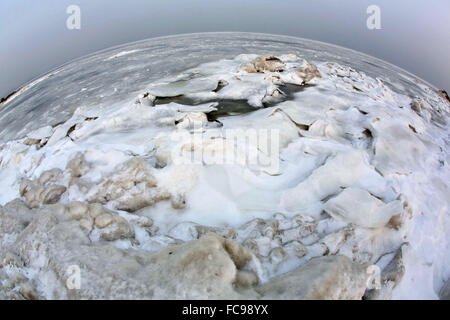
(91, 174)
(119, 74)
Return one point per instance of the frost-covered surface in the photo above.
(361, 178)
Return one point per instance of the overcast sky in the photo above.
(34, 39)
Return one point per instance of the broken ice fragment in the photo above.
(146, 99)
(268, 63)
(359, 207)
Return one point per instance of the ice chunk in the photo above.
(335, 277)
(343, 170)
(361, 208)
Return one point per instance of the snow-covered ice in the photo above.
(356, 174)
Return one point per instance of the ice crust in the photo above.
(363, 170)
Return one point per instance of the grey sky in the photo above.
(34, 37)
